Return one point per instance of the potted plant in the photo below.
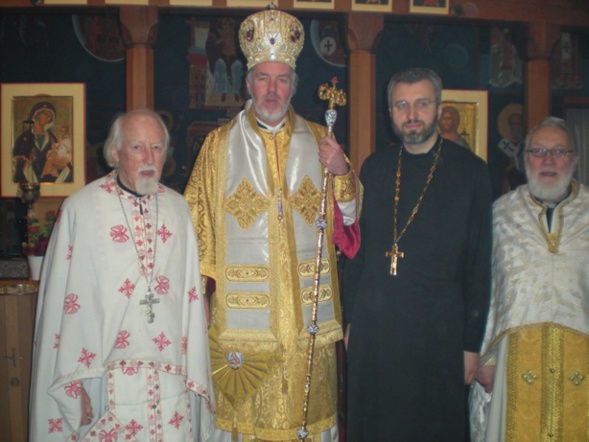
(37, 239)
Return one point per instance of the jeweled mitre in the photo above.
(271, 35)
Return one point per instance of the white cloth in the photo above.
(488, 417)
(146, 381)
(531, 286)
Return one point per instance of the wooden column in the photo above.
(537, 88)
(139, 31)
(363, 30)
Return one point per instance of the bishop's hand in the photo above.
(332, 156)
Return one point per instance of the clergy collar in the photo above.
(126, 189)
(271, 129)
(430, 153)
(552, 205)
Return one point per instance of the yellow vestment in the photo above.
(254, 198)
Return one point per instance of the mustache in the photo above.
(147, 169)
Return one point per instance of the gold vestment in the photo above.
(254, 198)
(547, 385)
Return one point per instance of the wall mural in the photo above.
(565, 63)
(217, 66)
(510, 149)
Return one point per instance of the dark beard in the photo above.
(416, 137)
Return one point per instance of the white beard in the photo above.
(550, 193)
(146, 186)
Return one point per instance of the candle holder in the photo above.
(29, 194)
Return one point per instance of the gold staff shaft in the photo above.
(335, 97)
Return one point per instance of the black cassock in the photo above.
(409, 331)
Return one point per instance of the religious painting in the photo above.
(191, 2)
(429, 6)
(328, 42)
(464, 119)
(100, 36)
(127, 2)
(509, 151)
(565, 63)
(251, 3)
(217, 66)
(372, 5)
(505, 65)
(65, 2)
(314, 4)
(43, 133)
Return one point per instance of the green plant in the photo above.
(38, 234)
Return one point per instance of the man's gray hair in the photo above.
(115, 136)
(556, 122)
(294, 78)
(415, 75)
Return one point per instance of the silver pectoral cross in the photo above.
(149, 301)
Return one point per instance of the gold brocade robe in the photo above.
(254, 199)
(538, 326)
(547, 385)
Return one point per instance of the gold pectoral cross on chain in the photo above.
(149, 301)
(394, 254)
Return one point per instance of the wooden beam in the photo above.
(363, 32)
(563, 12)
(139, 30)
(538, 87)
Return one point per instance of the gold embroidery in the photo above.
(247, 273)
(549, 408)
(576, 378)
(246, 204)
(529, 377)
(241, 382)
(344, 187)
(553, 239)
(247, 300)
(306, 200)
(325, 294)
(307, 268)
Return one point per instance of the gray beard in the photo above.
(271, 117)
(146, 187)
(550, 193)
(415, 137)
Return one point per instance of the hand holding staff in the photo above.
(333, 160)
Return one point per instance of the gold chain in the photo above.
(430, 176)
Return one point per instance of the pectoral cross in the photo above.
(394, 254)
(149, 301)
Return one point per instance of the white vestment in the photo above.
(147, 381)
(532, 288)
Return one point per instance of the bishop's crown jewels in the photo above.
(271, 35)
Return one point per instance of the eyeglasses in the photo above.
(541, 152)
(419, 105)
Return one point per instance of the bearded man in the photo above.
(532, 384)
(417, 293)
(254, 194)
(120, 347)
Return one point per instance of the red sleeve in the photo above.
(347, 238)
